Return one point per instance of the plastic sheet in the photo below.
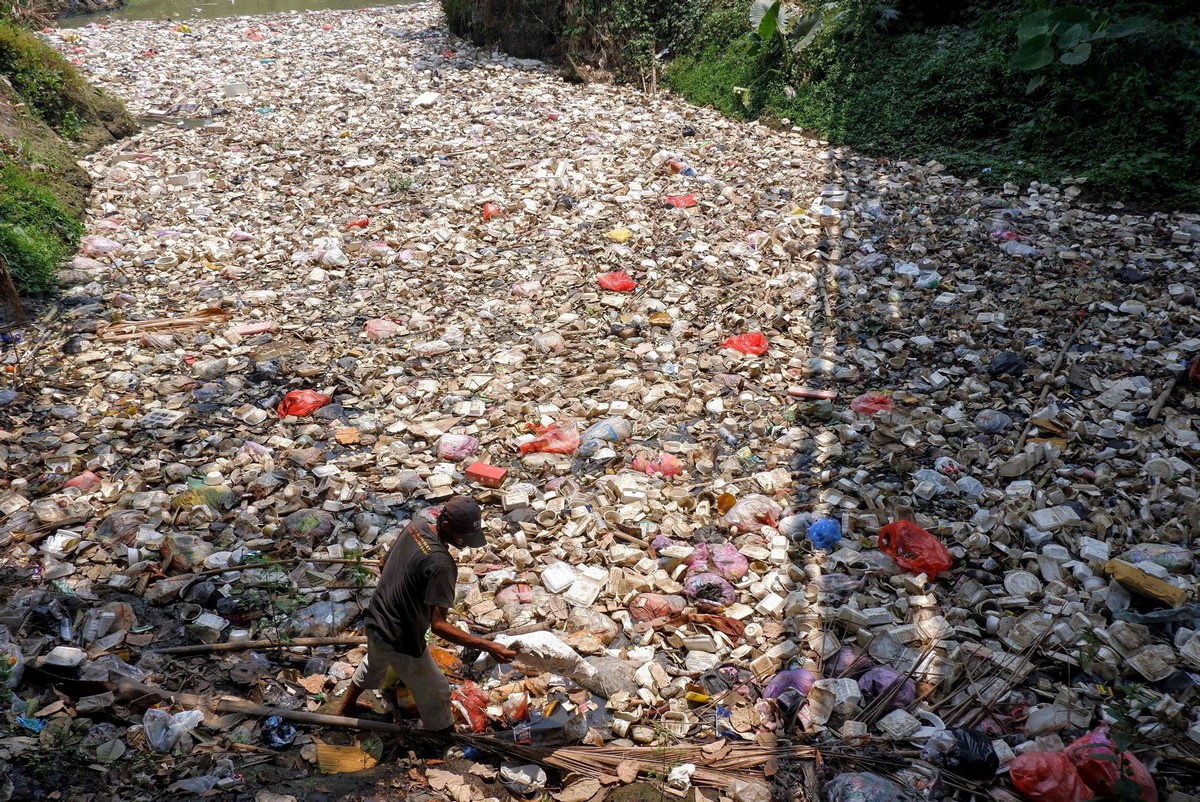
(649, 606)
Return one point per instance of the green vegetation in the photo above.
(919, 82)
(36, 232)
(43, 102)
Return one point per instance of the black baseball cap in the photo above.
(462, 516)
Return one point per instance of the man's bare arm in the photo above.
(448, 632)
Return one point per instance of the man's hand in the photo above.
(503, 654)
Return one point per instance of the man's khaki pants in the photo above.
(383, 667)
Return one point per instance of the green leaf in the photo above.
(804, 30)
(1071, 37)
(1033, 25)
(1078, 55)
(1035, 82)
(1127, 27)
(768, 23)
(1034, 54)
(757, 11)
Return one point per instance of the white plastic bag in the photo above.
(543, 651)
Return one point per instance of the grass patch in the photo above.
(37, 233)
(53, 90)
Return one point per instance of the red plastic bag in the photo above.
(490, 210)
(470, 707)
(1095, 758)
(617, 281)
(299, 403)
(872, 404)
(1047, 777)
(358, 222)
(753, 343)
(557, 438)
(914, 549)
(680, 201)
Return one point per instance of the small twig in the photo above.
(1062, 354)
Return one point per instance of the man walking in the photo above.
(416, 588)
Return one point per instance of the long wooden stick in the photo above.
(207, 648)
(129, 689)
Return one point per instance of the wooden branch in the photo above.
(128, 689)
(243, 646)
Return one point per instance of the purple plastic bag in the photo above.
(849, 662)
(879, 679)
(710, 587)
(799, 678)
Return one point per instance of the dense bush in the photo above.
(938, 82)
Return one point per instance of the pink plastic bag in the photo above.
(557, 438)
(649, 606)
(617, 281)
(753, 343)
(666, 465)
(729, 562)
(381, 329)
(914, 549)
(456, 446)
(98, 246)
(872, 404)
(299, 403)
(1047, 777)
(1095, 758)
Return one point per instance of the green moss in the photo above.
(37, 233)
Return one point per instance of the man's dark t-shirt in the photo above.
(419, 573)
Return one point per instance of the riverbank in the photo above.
(49, 117)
